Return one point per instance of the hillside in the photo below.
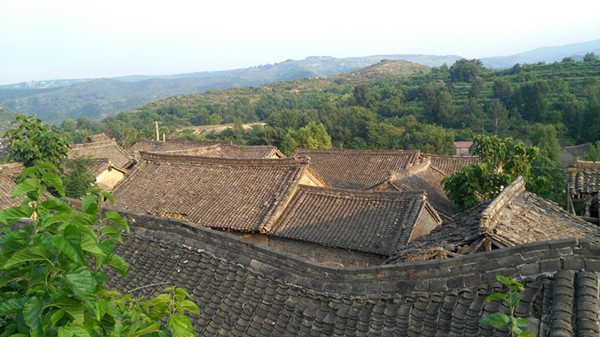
(546, 54)
(6, 116)
(97, 99)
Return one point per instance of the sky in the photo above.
(67, 39)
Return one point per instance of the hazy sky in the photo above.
(58, 39)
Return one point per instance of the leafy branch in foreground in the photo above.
(501, 320)
(50, 278)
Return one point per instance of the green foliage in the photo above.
(31, 142)
(465, 70)
(51, 282)
(594, 152)
(511, 299)
(501, 161)
(78, 180)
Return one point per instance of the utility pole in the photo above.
(157, 136)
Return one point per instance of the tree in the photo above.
(31, 142)
(50, 270)
(497, 114)
(465, 70)
(438, 104)
(502, 90)
(78, 180)
(313, 136)
(501, 161)
(544, 137)
(590, 57)
(360, 95)
(534, 101)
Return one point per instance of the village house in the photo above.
(247, 289)
(462, 148)
(583, 187)
(8, 177)
(101, 149)
(514, 217)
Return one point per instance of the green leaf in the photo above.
(149, 329)
(65, 246)
(72, 307)
(90, 245)
(12, 305)
(109, 197)
(159, 311)
(56, 182)
(118, 219)
(27, 185)
(57, 316)
(112, 232)
(35, 253)
(180, 325)
(503, 279)
(162, 298)
(118, 263)
(88, 204)
(18, 212)
(31, 313)
(190, 306)
(526, 334)
(496, 297)
(56, 204)
(497, 320)
(84, 287)
(522, 323)
(181, 294)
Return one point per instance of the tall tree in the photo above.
(465, 70)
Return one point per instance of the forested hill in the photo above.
(390, 105)
(97, 99)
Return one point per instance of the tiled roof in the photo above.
(357, 169)
(208, 149)
(169, 145)
(425, 177)
(100, 137)
(8, 174)
(366, 221)
(233, 194)
(514, 217)
(243, 289)
(569, 154)
(102, 149)
(517, 216)
(583, 177)
(451, 164)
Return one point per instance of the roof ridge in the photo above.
(158, 157)
(506, 196)
(351, 151)
(342, 192)
(412, 170)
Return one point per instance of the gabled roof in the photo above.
(233, 194)
(103, 149)
(148, 145)
(208, 149)
(8, 175)
(245, 289)
(366, 221)
(514, 217)
(583, 177)
(425, 177)
(569, 154)
(357, 169)
(517, 216)
(100, 137)
(450, 164)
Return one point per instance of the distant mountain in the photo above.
(100, 98)
(545, 54)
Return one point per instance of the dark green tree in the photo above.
(534, 101)
(465, 70)
(32, 141)
(78, 180)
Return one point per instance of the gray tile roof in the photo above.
(365, 221)
(232, 194)
(208, 149)
(100, 137)
(450, 164)
(244, 289)
(102, 149)
(583, 177)
(514, 217)
(425, 177)
(357, 169)
(569, 154)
